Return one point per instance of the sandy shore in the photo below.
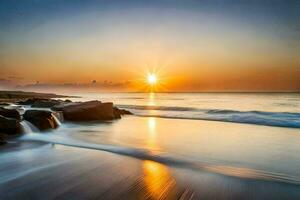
(150, 158)
(43, 172)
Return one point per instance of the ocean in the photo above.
(270, 109)
(175, 146)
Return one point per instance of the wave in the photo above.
(157, 98)
(279, 119)
(169, 160)
(151, 107)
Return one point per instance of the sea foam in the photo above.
(279, 119)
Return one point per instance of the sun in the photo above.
(151, 79)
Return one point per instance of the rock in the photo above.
(67, 106)
(125, 112)
(118, 112)
(10, 113)
(4, 104)
(59, 115)
(29, 101)
(2, 141)
(87, 111)
(42, 119)
(40, 103)
(68, 101)
(45, 103)
(9, 126)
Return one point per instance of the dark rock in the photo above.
(2, 141)
(41, 119)
(68, 101)
(9, 126)
(10, 113)
(87, 111)
(125, 112)
(66, 106)
(59, 115)
(45, 103)
(40, 103)
(118, 112)
(30, 101)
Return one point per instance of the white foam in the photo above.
(28, 127)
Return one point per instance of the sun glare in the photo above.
(152, 79)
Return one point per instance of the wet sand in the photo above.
(152, 158)
(58, 172)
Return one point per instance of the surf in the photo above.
(277, 119)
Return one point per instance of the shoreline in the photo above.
(14, 96)
(76, 173)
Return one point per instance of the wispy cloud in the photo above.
(15, 77)
(94, 84)
(4, 80)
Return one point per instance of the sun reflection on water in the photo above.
(152, 125)
(151, 99)
(158, 181)
(152, 134)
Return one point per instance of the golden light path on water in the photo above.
(157, 178)
(151, 99)
(158, 181)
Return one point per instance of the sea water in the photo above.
(251, 140)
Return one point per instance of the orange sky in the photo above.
(191, 49)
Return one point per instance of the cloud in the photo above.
(93, 84)
(3, 80)
(6, 84)
(15, 77)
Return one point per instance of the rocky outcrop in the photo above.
(30, 101)
(10, 113)
(88, 111)
(41, 103)
(42, 119)
(119, 112)
(46, 103)
(125, 112)
(9, 126)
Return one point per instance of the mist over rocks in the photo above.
(45, 113)
(78, 111)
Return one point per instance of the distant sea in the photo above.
(269, 109)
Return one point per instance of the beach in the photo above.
(147, 157)
(149, 100)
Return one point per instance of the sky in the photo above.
(192, 46)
